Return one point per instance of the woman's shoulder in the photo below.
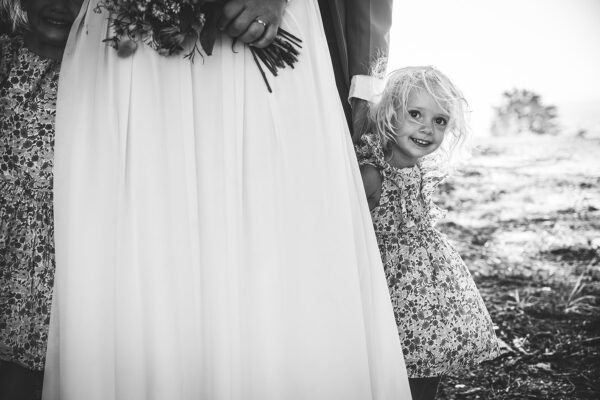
(10, 45)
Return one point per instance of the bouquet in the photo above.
(168, 25)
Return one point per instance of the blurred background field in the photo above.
(551, 47)
(524, 213)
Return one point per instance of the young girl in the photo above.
(442, 320)
(29, 66)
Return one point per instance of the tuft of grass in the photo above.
(580, 303)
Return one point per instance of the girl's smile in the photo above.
(419, 142)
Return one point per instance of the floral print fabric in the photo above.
(442, 321)
(28, 85)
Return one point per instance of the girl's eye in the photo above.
(441, 121)
(414, 114)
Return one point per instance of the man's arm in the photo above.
(368, 24)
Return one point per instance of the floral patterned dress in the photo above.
(28, 85)
(442, 320)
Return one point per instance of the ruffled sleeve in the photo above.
(368, 151)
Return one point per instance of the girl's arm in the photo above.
(372, 182)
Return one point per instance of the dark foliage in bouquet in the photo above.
(167, 25)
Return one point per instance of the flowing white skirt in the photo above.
(212, 240)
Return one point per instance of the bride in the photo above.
(213, 240)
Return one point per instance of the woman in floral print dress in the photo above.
(29, 69)
(442, 321)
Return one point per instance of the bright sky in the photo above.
(488, 46)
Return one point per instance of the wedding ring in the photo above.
(260, 21)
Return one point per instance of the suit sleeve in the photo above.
(368, 24)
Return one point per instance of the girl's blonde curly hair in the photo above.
(12, 12)
(391, 109)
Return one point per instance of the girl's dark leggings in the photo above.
(17, 382)
(424, 388)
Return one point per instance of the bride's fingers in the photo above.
(239, 25)
(267, 37)
(231, 10)
(241, 17)
(255, 30)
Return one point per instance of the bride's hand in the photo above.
(252, 21)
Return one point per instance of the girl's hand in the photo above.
(252, 21)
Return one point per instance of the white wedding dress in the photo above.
(213, 240)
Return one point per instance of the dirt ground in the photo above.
(524, 213)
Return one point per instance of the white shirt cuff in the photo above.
(366, 87)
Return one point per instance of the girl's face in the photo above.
(422, 133)
(51, 20)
